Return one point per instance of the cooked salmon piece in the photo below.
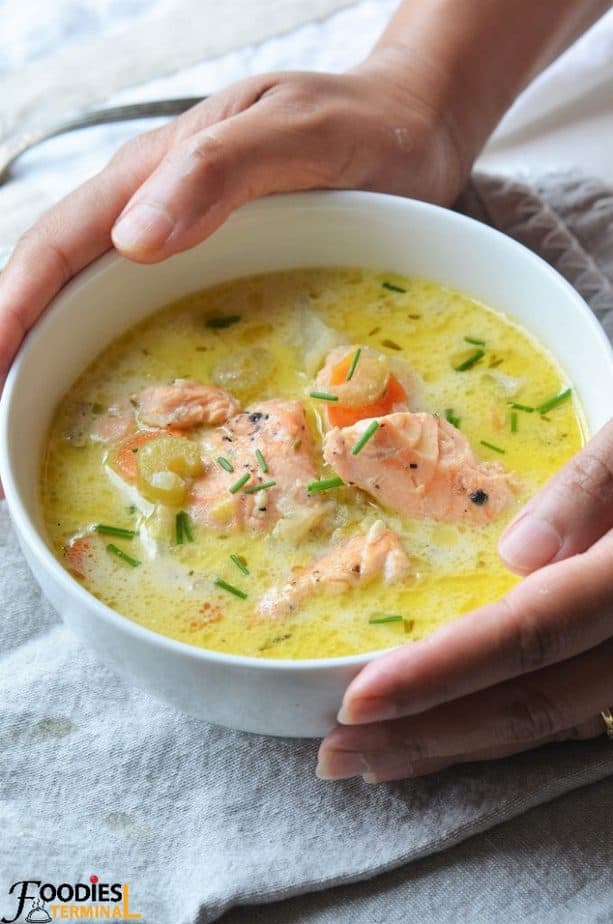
(112, 429)
(379, 384)
(184, 404)
(357, 562)
(421, 466)
(278, 429)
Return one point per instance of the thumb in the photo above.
(569, 514)
(206, 176)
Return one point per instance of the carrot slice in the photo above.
(343, 416)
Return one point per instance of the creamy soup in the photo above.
(304, 464)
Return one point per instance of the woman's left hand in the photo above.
(532, 668)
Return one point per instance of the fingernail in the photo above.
(529, 544)
(341, 765)
(367, 709)
(142, 227)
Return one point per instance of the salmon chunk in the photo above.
(365, 382)
(184, 404)
(421, 466)
(271, 435)
(357, 562)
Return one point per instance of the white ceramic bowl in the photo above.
(296, 698)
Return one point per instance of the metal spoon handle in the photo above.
(14, 147)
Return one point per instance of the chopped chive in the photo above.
(230, 588)
(553, 402)
(474, 341)
(470, 361)
(453, 420)
(179, 529)
(391, 344)
(354, 362)
(220, 323)
(325, 485)
(261, 461)
(513, 421)
(522, 407)
(368, 434)
(114, 531)
(491, 446)
(239, 484)
(392, 287)
(119, 553)
(225, 464)
(323, 396)
(259, 487)
(240, 563)
(187, 529)
(379, 619)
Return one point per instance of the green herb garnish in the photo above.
(259, 487)
(391, 344)
(119, 553)
(491, 446)
(368, 434)
(380, 618)
(392, 287)
(183, 528)
(323, 396)
(239, 484)
(324, 485)
(218, 582)
(470, 361)
(474, 341)
(220, 323)
(522, 407)
(240, 563)
(553, 402)
(261, 461)
(453, 420)
(513, 421)
(225, 464)
(118, 531)
(354, 362)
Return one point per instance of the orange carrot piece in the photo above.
(343, 416)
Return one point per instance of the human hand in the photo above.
(532, 668)
(376, 127)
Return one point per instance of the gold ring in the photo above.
(607, 718)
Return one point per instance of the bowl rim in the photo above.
(347, 199)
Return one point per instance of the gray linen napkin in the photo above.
(98, 778)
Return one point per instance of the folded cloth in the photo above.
(97, 778)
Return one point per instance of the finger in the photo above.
(560, 702)
(64, 240)
(200, 181)
(393, 769)
(557, 612)
(73, 233)
(571, 512)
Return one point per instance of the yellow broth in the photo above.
(288, 321)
